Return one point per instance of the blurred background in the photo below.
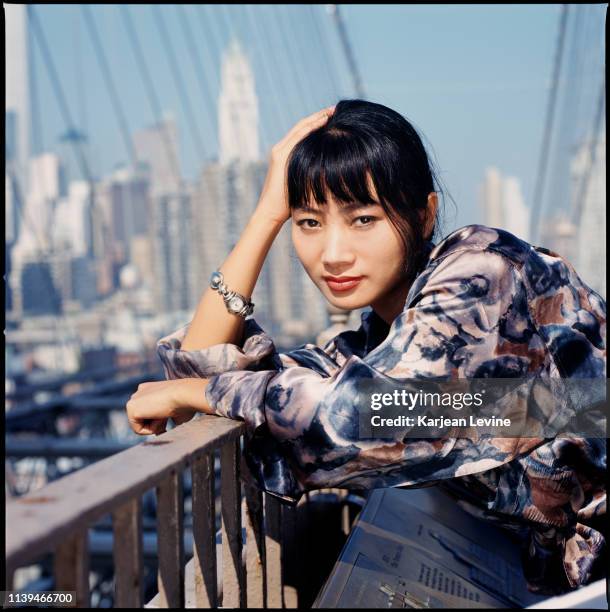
(137, 138)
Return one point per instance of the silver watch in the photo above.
(235, 302)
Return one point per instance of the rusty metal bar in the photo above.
(170, 538)
(42, 519)
(273, 552)
(128, 555)
(288, 543)
(204, 536)
(71, 566)
(255, 541)
(233, 579)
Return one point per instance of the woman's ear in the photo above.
(430, 215)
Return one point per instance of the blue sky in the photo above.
(474, 79)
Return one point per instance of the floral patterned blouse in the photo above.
(484, 304)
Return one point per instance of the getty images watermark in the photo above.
(498, 407)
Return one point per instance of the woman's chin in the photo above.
(349, 302)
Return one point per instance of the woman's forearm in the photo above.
(212, 323)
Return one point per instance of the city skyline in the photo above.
(460, 98)
(133, 237)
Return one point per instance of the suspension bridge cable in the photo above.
(210, 39)
(302, 90)
(592, 157)
(57, 88)
(347, 49)
(278, 74)
(568, 97)
(537, 203)
(279, 108)
(107, 75)
(296, 22)
(16, 191)
(229, 28)
(197, 63)
(67, 117)
(119, 114)
(37, 133)
(79, 77)
(324, 51)
(278, 116)
(177, 76)
(151, 93)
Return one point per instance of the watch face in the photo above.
(236, 304)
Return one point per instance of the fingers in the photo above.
(148, 427)
(314, 120)
(307, 124)
(159, 426)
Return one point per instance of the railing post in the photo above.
(72, 567)
(289, 547)
(255, 541)
(170, 539)
(233, 579)
(204, 531)
(273, 552)
(127, 553)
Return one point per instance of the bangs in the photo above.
(330, 162)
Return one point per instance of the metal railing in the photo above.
(56, 519)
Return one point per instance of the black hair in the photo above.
(364, 139)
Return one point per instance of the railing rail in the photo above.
(56, 519)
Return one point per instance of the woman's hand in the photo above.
(273, 203)
(154, 402)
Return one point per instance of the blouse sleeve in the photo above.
(255, 352)
(452, 326)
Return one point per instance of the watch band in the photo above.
(235, 302)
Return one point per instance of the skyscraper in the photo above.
(171, 236)
(34, 242)
(17, 91)
(237, 108)
(157, 145)
(589, 183)
(502, 203)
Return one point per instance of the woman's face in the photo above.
(337, 240)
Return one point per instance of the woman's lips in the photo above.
(343, 285)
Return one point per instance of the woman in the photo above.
(481, 303)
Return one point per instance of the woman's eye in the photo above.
(303, 222)
(366, 220)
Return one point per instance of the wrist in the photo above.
(267, 215)
(190, 395)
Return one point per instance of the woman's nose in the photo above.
(338, 249)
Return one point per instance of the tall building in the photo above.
(170, 235)
(157, 146)
(491, 198)
(559, 234)
(225, 198)
(127, 196)
(34, 242)
(223, 202)
(237, 108)
(589, 183)
(75, 153)
(72, 221)
(47, 186)
(17, 90)
(503, 204)
(168, 216)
